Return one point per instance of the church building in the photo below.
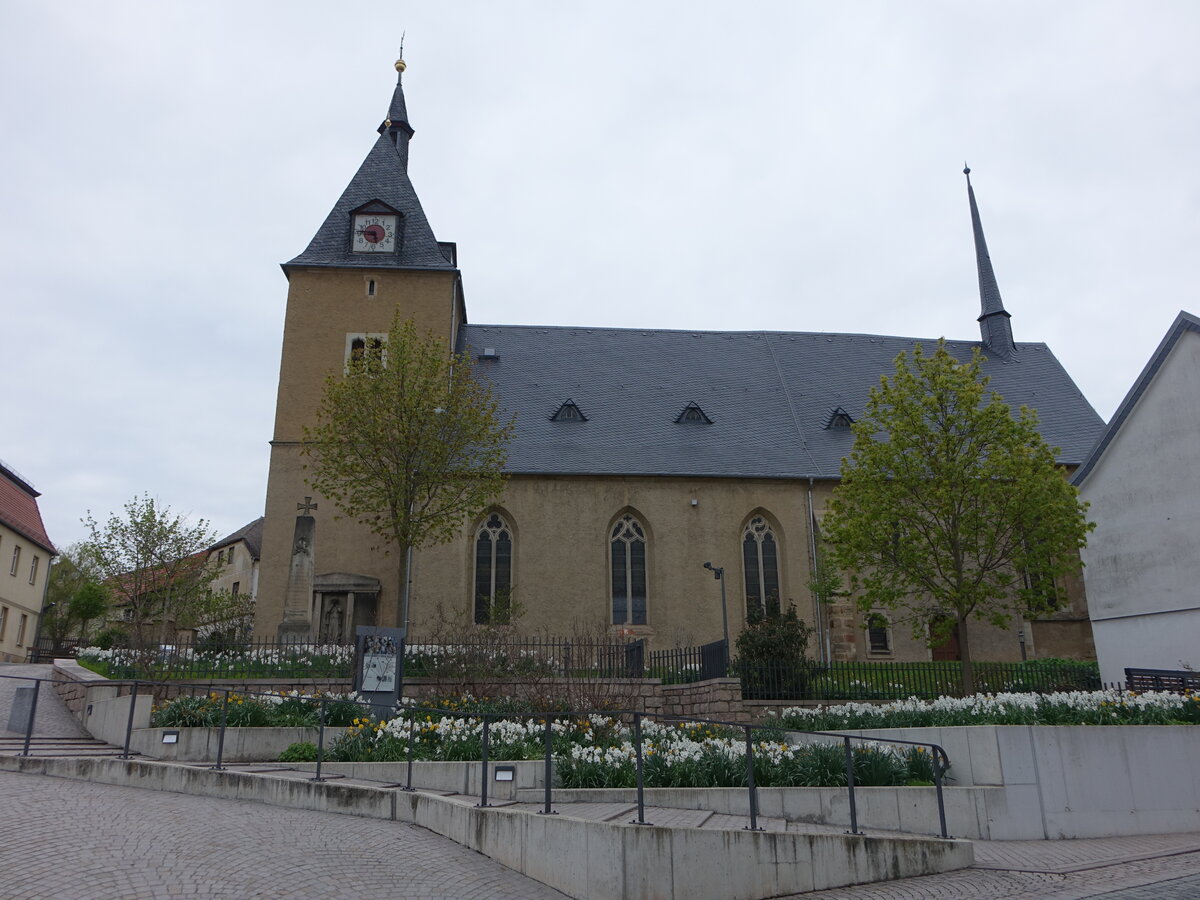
(639, 455)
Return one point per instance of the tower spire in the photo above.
(994, 327)
(396, 126)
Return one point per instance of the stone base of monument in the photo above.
(294, 633)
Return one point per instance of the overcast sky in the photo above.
(775, 165)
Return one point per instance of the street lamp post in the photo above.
(719, 574)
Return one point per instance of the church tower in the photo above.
(374, 253)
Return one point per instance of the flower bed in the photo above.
(598, 752)
(1064, 708)
(274, 661)
(291, 709)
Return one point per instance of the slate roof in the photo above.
(382, 176)
(1184, 322)
(19, 509)
(769, 395)
(251, 534)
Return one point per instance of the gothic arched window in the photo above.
(760, 555)
(493, 571)
(628, 566)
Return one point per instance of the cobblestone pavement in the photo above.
(52, 718)
(1113, 868)
(78, 839)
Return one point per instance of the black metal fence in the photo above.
(500, 656)
(497, 655)
(47, 649)
(682, 665)
(802, 680)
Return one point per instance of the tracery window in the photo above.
(493, 571)
(760, 556)
(628, 566)
(365, 347)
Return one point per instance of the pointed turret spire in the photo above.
(381, 188)
(396, 126)
(994, 327)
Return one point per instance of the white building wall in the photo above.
(1142, 563)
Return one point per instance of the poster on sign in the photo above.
(379, 666)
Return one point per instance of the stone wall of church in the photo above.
(561, 575)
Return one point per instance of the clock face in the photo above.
(374, 234)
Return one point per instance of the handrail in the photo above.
(941, 760)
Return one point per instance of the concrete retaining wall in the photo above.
(241, 744)
(460, 777)
(596, 860)
(1075, 781)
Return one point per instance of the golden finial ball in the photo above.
(400, 66)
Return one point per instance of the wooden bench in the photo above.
(1161, 680)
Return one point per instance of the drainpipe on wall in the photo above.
(822, 630)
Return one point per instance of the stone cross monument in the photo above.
(297, 622)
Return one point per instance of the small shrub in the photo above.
(187, 712)
(111, 638)
(819, 765)
(772, 655)
(876, 766)
(301, 751)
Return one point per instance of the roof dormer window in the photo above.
(692, 413)
(839, 418)
(568, 412)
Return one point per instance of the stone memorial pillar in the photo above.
(297, 624)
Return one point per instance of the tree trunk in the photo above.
(403, 592)
(964, 647)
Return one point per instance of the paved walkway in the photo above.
(79, 839)
(52, 718)
(1154, 867)
(102, 841)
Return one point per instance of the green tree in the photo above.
(70, 573)
(408, 442)
(87, 605)
(950, 506)
(154, 565)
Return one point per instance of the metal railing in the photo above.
(940, 760)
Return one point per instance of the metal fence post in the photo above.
(483, 783)
(750, 779)
(320, 740)
(32, 714)
(411, 729)
(641, 787)
(938, 756)
(221, 735)
(549, 773)
(125, 754)
(850, 788)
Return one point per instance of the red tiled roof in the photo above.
(19, 510)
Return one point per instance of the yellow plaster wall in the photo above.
(324, 305)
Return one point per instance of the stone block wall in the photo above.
(716, 698)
